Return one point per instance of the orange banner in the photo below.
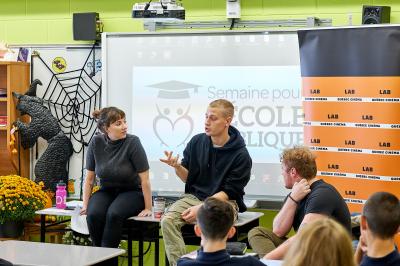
(353, 208)
(351, 104)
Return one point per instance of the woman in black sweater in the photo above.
(119, 161)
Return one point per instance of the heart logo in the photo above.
(173, 134)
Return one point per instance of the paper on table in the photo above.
(78, 222)
(74, 203)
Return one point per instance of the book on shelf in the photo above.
(3, 92)
(3, 120)
(23, 54)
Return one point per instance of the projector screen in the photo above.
(164, 83)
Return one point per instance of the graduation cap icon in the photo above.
(174, 89)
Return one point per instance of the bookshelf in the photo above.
(14, 77)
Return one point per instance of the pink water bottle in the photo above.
(61, 196)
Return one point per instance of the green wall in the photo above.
(50, 21)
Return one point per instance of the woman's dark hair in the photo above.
(106, 116)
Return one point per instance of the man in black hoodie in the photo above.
(214, 164)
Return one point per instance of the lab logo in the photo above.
(173, 124)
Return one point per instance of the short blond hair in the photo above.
(227, 106)
(323, 242)
(302, 159)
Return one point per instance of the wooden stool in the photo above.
(33, 229)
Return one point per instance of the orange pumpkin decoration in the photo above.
(49, 201)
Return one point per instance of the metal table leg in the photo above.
(42, 227)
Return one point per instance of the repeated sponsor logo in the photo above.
(359, 176)
(349, 124)
(355, 150)
(350, 99)
(355, 201)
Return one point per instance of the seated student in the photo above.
(322, 242)
(380, 221)
(310, 199)
(120, 162)
(215, 225)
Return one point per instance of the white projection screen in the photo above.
(164, 83)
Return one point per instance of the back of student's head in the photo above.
(321, 243)
(215, 217)
(382, 212)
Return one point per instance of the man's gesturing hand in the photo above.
(170, 160)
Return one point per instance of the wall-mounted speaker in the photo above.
(86, 26)
(375, 14)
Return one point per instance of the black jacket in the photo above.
(212, 170)
(220, 258)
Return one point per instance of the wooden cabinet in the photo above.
(14, 77)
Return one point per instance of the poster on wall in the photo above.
(268, 114)
(351, 100)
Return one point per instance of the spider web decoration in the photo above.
(71, 97)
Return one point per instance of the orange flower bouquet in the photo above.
(20, 198)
